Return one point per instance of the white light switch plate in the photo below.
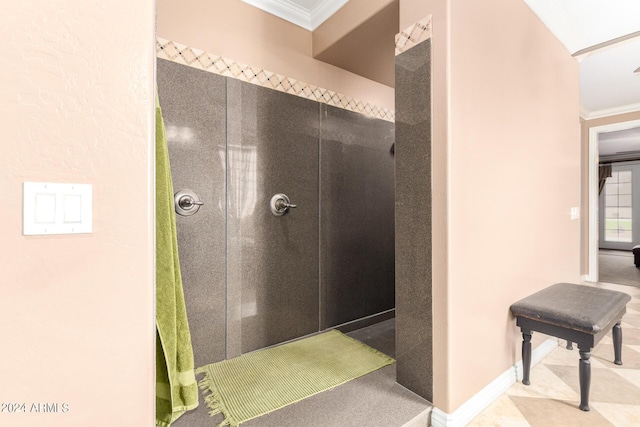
(52, 208)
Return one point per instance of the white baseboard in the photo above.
(420, 420)
(585, 278)
(485, 397)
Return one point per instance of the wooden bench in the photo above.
(576, 313)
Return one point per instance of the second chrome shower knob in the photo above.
(280, 204)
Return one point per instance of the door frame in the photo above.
(594, 231)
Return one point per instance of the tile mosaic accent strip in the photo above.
(416, 33)
(202, 60)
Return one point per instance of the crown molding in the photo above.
(584, 113)
(309, 19)
(324, 11)
(605, 44)
(614, 111)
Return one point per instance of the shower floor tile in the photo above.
(381, 336)
(372, 400)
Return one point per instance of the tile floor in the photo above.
(552, 398)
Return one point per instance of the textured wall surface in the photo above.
(76, 311)
(356, 216)
(414, 318)
(238, 144)
(273, 148)
(194, 106)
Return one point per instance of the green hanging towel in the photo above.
(176, 387)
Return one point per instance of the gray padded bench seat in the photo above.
(576, 313)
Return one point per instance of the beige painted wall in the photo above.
(76, 102)
(363, 44)
(506, 124)
(584, 229)
(515, 174)
(353, 14)
(236, 30)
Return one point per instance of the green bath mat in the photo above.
(257, 383)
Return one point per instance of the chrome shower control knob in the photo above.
(187, 202)
(280, 204)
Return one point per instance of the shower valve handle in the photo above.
(187, 202)
(280, 204)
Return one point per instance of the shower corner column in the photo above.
(413, 240)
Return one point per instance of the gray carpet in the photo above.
(618, 267)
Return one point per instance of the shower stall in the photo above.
(296, 231)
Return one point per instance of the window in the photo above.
(617, 207)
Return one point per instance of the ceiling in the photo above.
(608, 84)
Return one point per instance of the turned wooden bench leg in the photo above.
(585, 377)
(617, 344)
(526, 356)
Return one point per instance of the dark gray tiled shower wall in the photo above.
(193, 106)
(273, 148)
(414, 322)
(252, 279)
(356, 202)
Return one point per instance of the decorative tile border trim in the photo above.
(413, 35)
(201, 60)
